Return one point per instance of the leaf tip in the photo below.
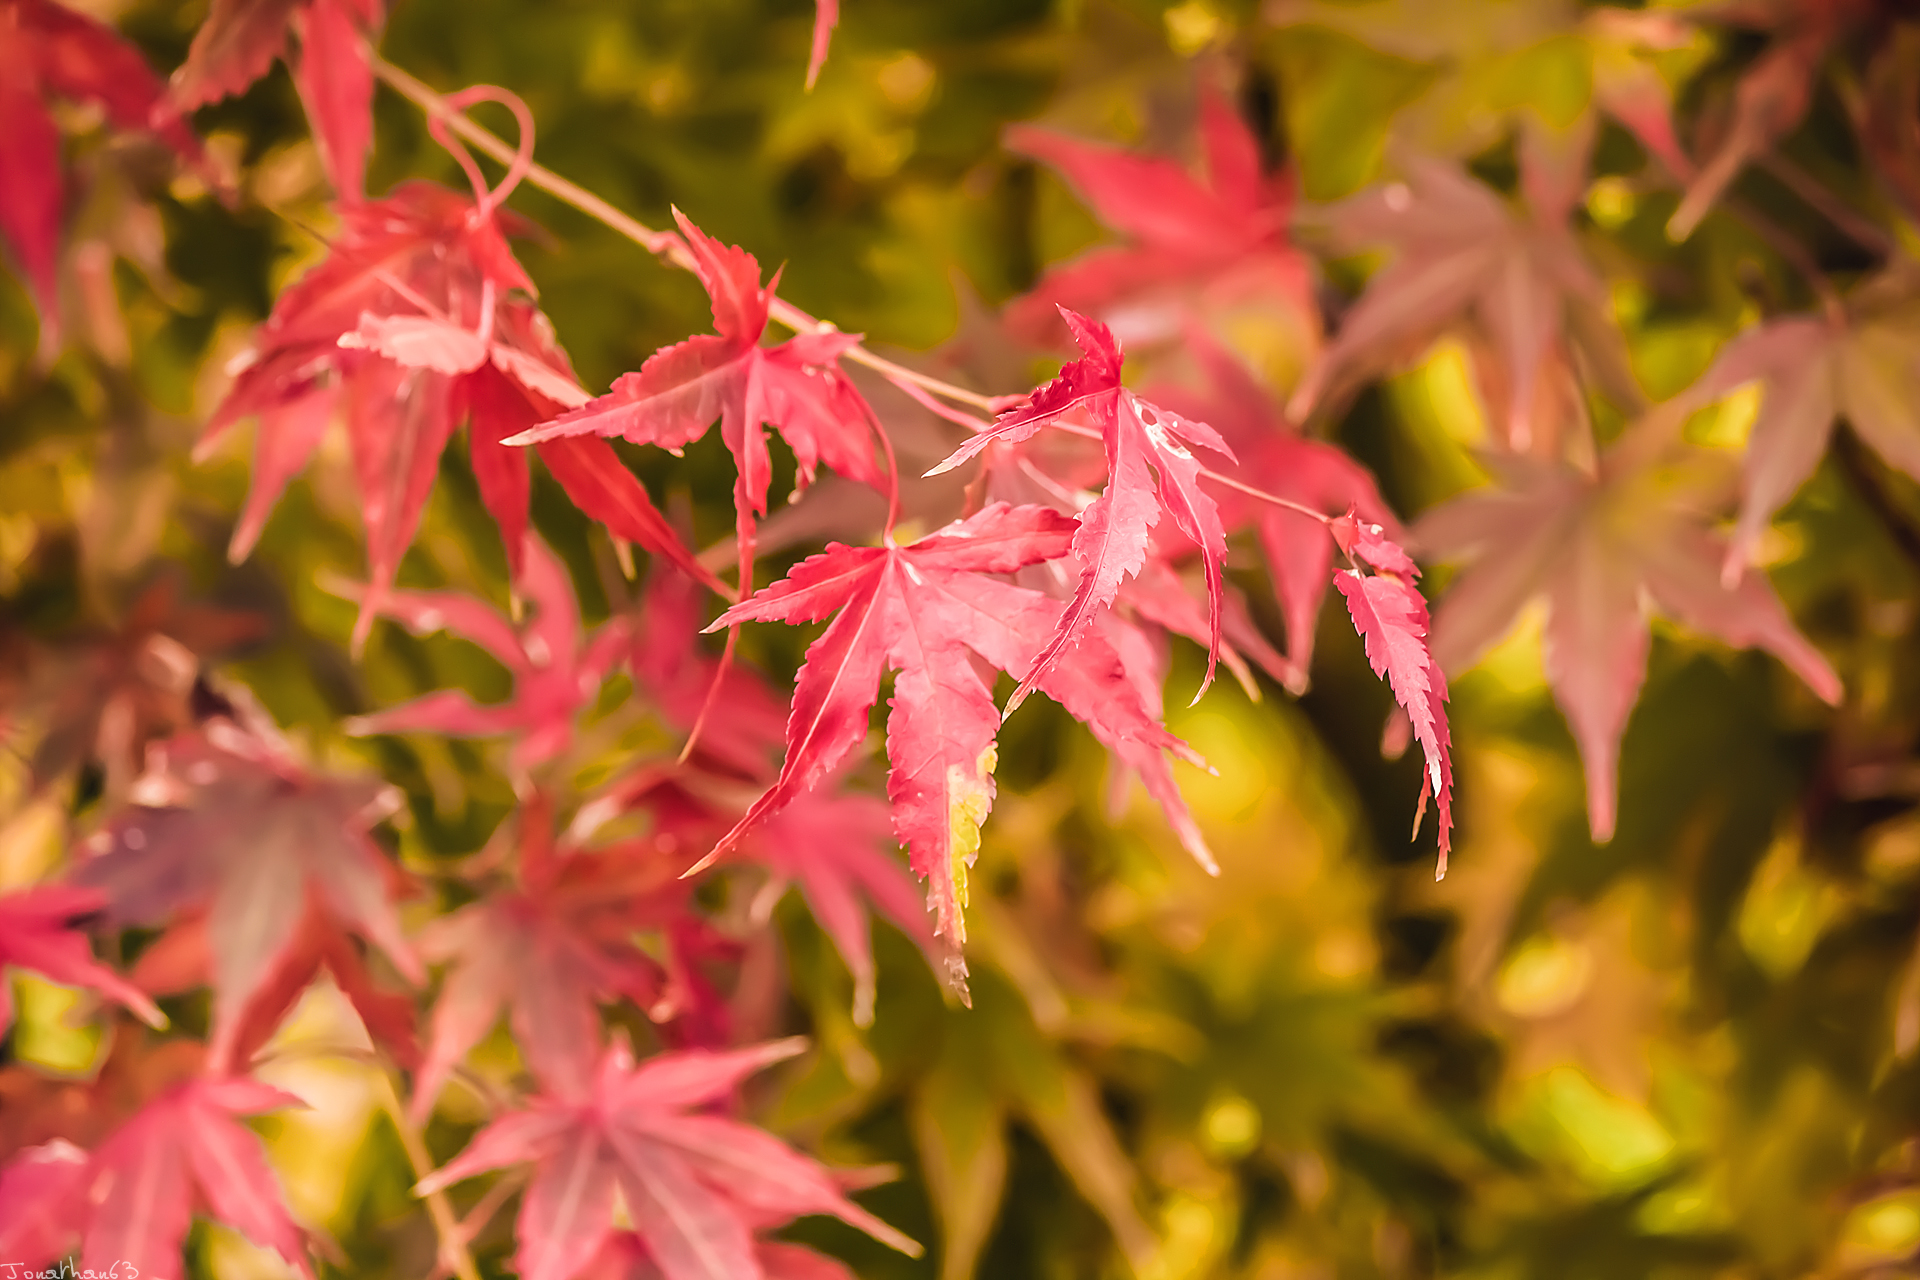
(704, 863)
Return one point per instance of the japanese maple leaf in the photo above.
(1598, 547)
(924, 611)
(1391, 616)
(1166, 597)
(39, 930)
(1813, 370)
(1215, 244)
(1142, 441)
(230, 825)
(1460, 252)
(409, 322)
(797, 386)
(695, 1185)
(105, 695)
(37, 1108)
(129, 1202)
(549, 950)
(556, 671)
(1275, 458)
(49, 51)
(1774, 93)
(1114, 688)
(505, 383)
(835, 845)
(838, 848)
(239, 41)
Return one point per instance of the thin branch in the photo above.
(1828, 205)
(1853, 461)
(1783, 243)
(1226, 481)
(454, 1254)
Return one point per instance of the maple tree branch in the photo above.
(1828, 205)
(454, 1253)
(1208, 473)
(662, 244)
(667, 246)
(1793, 252)
(1851, 457)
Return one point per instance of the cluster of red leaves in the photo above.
(411, 323)
(238, 43)
(1068, 573)
(127, 1203)
(48, 51)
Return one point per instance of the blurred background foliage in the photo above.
(1684, 1053)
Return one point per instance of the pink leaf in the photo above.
(336, 84)
(696, 1186)
(826, 16)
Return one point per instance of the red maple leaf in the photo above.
(104, 694)
(129, 1202)
(1461, 253)
(1206, 246)
(1115, 689)
(797, 386)
(747, 720)
(1597, 546)
(238, 43)
(838, 847)
(1391, 616)
(48, 51)
(1275, 458)
(267, 865)
(695, 1185)
(924, 611)
(1169, 599)
(556, 671)
(1812, 371)
(1142, 441)
(549, 950)
(37, 1108)
(835, 845)
(39, 931)
(1774, 93)
(423, 276)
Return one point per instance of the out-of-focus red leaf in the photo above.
(1597, 546)
(129, 1201)
(229, 824)
(556, 669)
(696, 1185)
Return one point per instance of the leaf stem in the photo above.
(1794, 253)
(1828, 205)
(1854, 463)
(1225, 481)
(453, 1244)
